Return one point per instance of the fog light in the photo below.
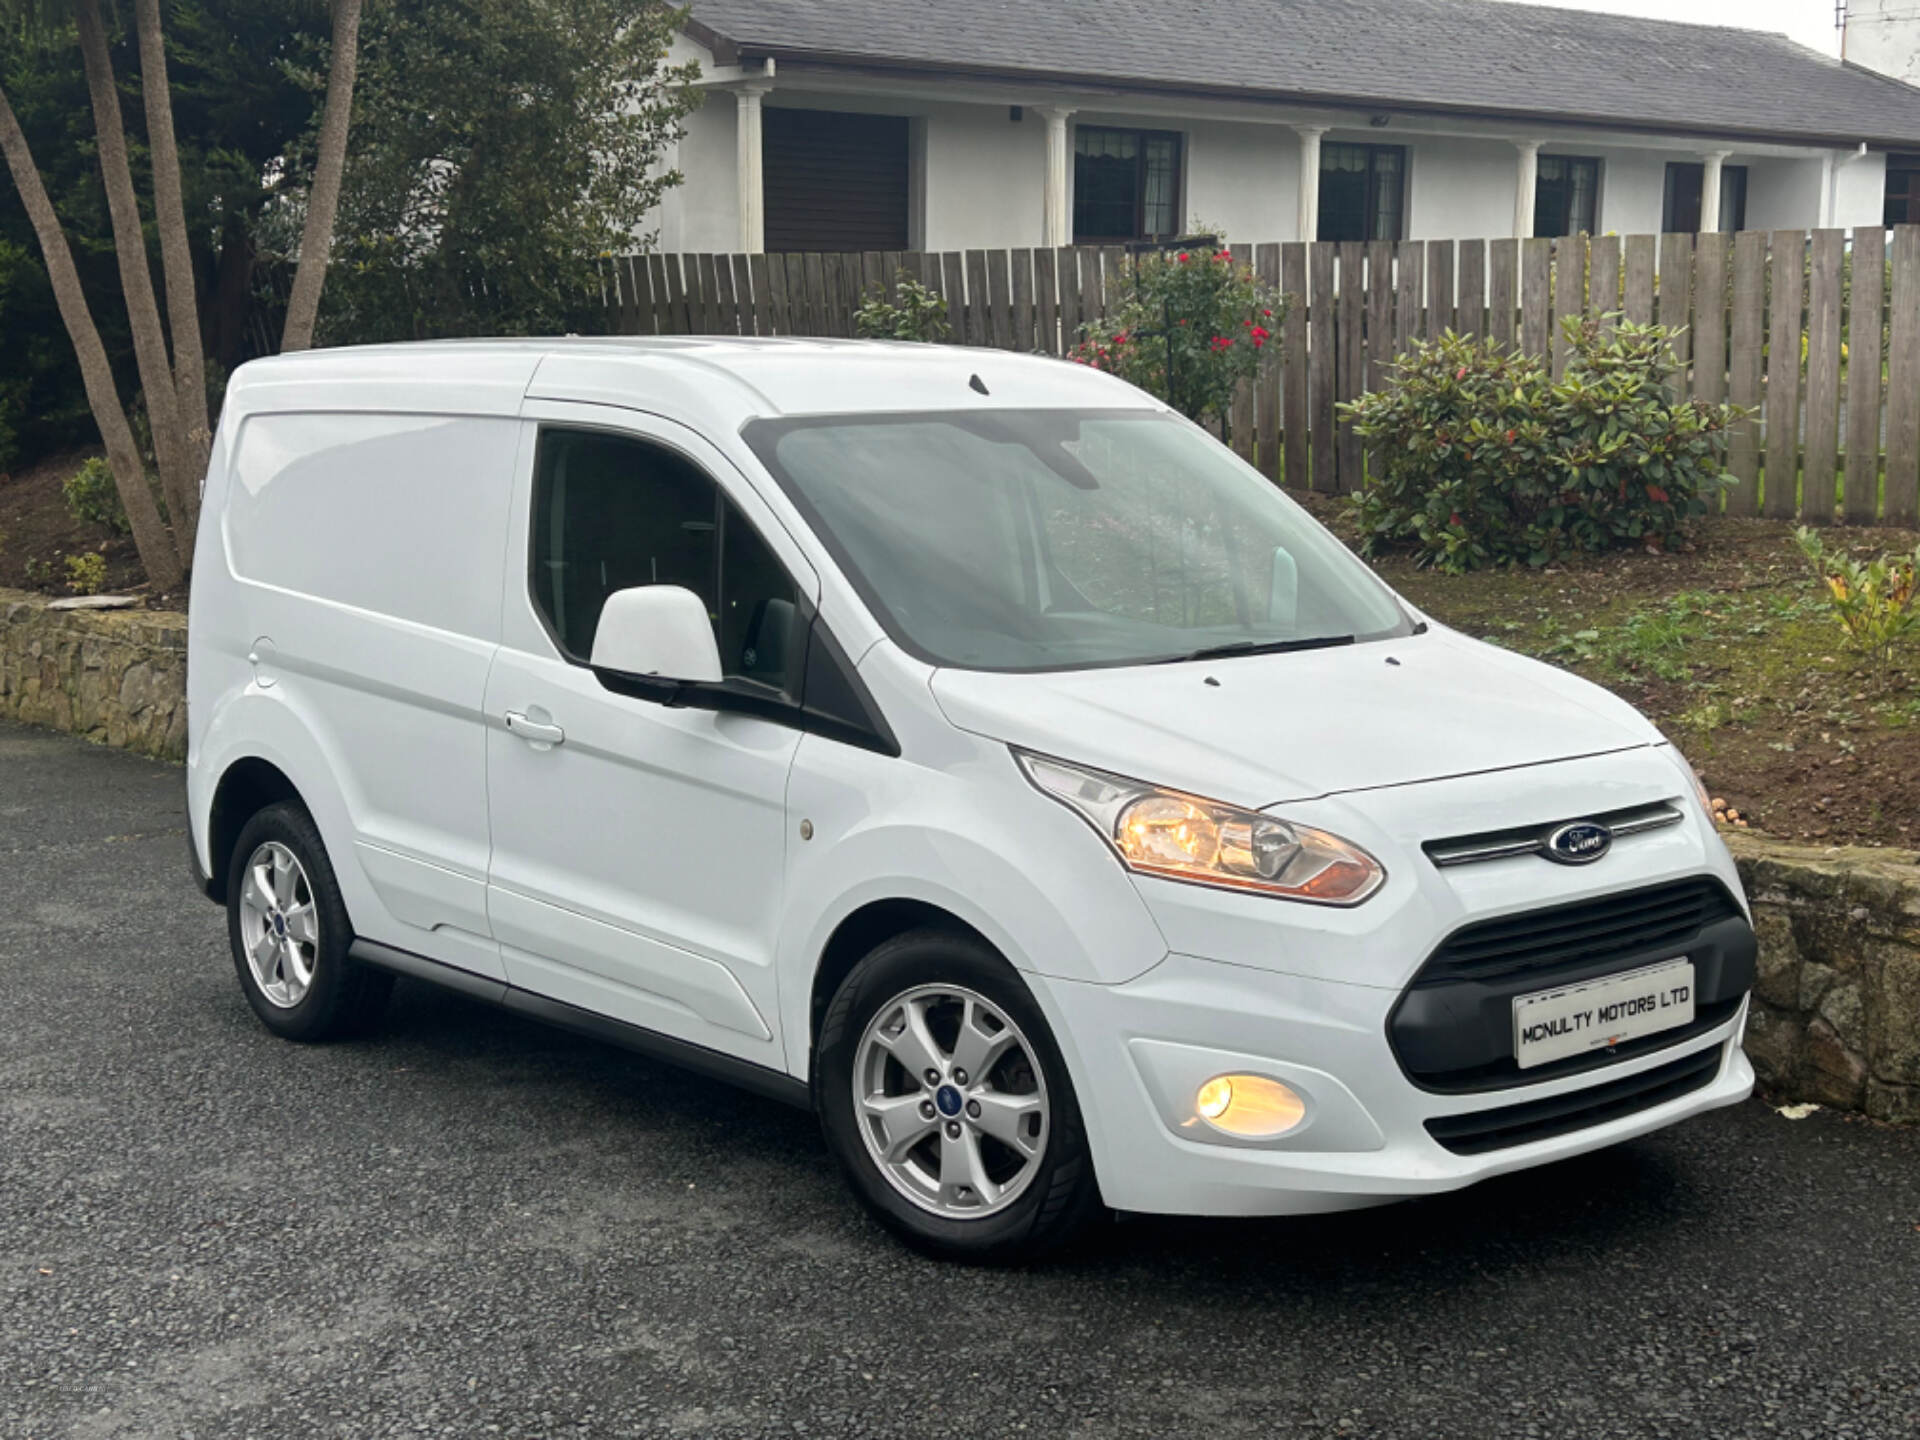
(1251, 1107)
(1214, 1098)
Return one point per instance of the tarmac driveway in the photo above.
(474, 1225)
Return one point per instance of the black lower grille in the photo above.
(1585, 932)
(1508, 1125)
(1452, 1028)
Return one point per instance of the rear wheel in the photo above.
(288, 929)
(945, 1099)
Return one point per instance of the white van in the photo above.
(957, 743)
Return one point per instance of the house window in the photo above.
(1126, 184)
(1362, 190)
(1903, 190)
(1565, 195)
(1681, 210)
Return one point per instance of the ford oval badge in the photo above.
(1581, 843)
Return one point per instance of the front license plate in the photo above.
(1553, 1024)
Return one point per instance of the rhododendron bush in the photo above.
(1187, 326)
(1479, 458)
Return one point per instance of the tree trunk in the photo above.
(176, 259)
(136, 276)
(150, 537)
(323, 203)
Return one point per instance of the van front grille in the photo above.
(1585, 932)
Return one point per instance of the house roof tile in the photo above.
(1484, 57)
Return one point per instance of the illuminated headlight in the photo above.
(1183, 837)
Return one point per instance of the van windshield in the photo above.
(1053, 539)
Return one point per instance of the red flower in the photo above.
(1510, 435)
(1182, 257)
(1656, 494)
(1260, 332)
(1266, 314)
(1461, 373)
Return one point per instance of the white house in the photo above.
(958, 124)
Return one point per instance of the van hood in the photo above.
(1260, 730)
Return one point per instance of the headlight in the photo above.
(1699, 785)
(1165, 832)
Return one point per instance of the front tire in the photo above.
(288, 928)
(947, 1104)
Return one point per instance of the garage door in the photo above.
(835, 181)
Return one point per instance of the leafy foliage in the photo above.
(87, 573)
(93, 498)
(1189, 327)
(1874, 602)
(500, 151)
(913, 313)
(1484, 460)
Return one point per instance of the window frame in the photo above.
(1905, 163)
(1370, 221)
(1139, 235)
(1565, 228)
(824, 695)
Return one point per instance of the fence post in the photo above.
(1320, 362)
(1903, 380)
(1503, 269)
(1786, 289)
(1293, 393)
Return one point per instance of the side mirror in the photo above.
(657, 630)
(1283, 594)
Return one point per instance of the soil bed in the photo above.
(1733, 652)
(38, 533)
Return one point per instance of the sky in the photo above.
(1808, 21)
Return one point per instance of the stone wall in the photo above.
(1836, 1012)
(115, 676)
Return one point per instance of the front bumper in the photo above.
(1138, 1050)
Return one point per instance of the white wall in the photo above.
(1243, 180)
(1884, 35)
(1783, 194)
(1457, 188)
(985, 178)
(1860, 189)
(703, 212)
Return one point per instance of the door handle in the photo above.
(533, 731)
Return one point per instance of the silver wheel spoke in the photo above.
(279, 925)
(914, 1046)
(978, 1048)
(900, 1122)
(963, 1174)
(301, 925)
(1005, 1118)
(948, 1139)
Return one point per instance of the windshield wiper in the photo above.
(1259, 647)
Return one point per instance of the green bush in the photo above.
(87, 573)
(92, 497)
(913, 313)
(1187, 327)
(1484, 460)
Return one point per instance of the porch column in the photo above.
(749, 167)
(1710, 188)
(1309, 210)
(1527, 182)
(1056, 218)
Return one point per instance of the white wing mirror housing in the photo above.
(657, 630)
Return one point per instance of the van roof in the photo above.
(703, 380)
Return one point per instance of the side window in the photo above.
(610, 512)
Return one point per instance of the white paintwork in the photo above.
(982, 181)
(1056, 206)
(1526, 185)
(650, 863)
(749, 168)
(657, 630)
(1883, 35)
(1710, 168)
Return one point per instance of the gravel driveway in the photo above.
(474, 1225)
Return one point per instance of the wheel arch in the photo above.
(860, 932)
(246, 787)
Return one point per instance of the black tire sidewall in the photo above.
(1061, 1196)
(332, 994)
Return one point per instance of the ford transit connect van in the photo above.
(957, 743)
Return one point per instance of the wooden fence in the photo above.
(1802, 328)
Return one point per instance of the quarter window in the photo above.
(610, 512)
(1565, 195)
(1361, 191)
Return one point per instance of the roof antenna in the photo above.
(975, 383)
